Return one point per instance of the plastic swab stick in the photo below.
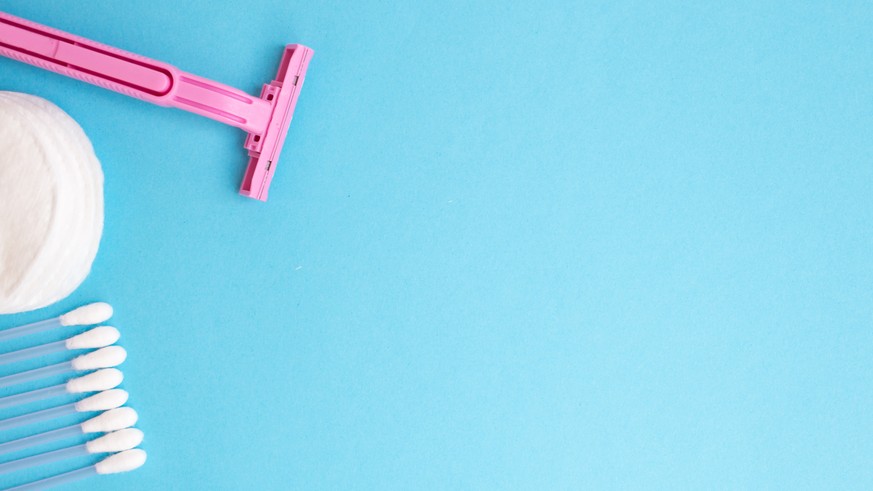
(108, 378)
(114, 464)
(112, 420)
(117, 441)
(108, 357)
(104, 401)
(88, 315)
(99, 337)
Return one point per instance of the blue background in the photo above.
(552, 245)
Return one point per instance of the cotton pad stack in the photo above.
(51, 203)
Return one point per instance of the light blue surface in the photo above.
(580, 245)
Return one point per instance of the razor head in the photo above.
(264, 149)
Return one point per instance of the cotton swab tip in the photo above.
(104, 401)
(108, 378)
(117, 441)
(98, 337)
(110, 356)
(112, 420)
(87, 315)
(121, 462)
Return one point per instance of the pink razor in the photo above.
(266, 118)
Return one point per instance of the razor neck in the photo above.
(221, 103)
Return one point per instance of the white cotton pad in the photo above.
(51, 203)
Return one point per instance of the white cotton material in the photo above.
(108, 378)
(121, 462)
(110, 356)
(99, 337)
(51, 203)
(88, 315)
(117, 441)
(104, 401)
(112, 420)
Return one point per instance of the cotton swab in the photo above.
(110, 356)
(108, 378)
(121, 462)
(88, 315)
(109, 399)
(117, 441)
(112, 420)
(98, 337)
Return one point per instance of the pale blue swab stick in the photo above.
(36, 352)
(83, 316)
(51, 482)
(112, 420)
(117, 441)
(107, 357)
(114, 464)
(33, 396)
(108, 378)
(103, 401)
(40, 439)
(98, 337)
(30, 375)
